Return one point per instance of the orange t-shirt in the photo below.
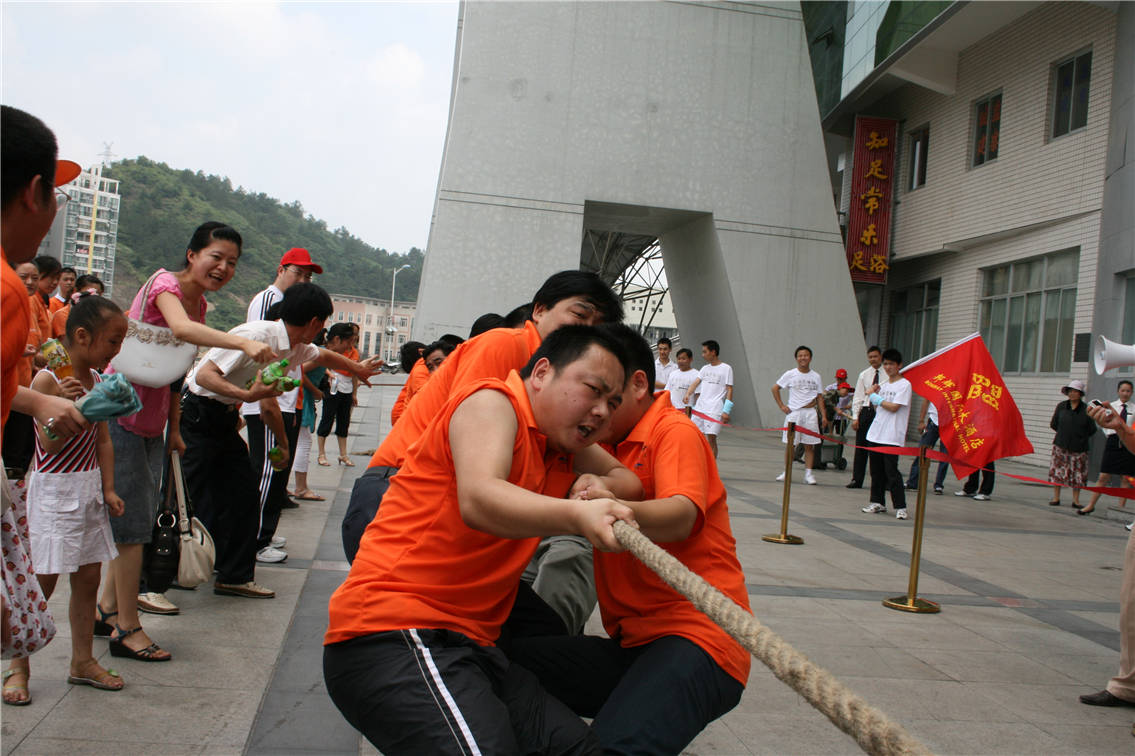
(15, 321)
(59, 322)
(55, 304)
(419, 565)
(419, 374)
(350, 354)
(671, 457)
(493, 354)
(41, 316)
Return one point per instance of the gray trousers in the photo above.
(563, 575)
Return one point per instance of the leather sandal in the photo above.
(17, 687)
(151, 653)
(322, 460)
(103, 627)
(346, 461)
(105, 679)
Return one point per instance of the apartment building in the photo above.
(85, 232)
(381, 332)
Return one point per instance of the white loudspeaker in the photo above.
(1110, 355)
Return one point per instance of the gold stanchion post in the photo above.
(910, 602)
(783, 536)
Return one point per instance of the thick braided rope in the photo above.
(871, 728)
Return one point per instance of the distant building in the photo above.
(653, 316)
(85, 234)
(378, 335)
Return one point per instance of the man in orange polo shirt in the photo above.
(570, 297)
(410, 360)
(409, 656)
(667, 670)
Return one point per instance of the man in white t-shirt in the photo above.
(891, 401)
(715, 381)
(295, 266)
(681, 379)
(805, 388)
(663, 365)
(216, 466)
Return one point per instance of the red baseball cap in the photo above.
(299, 256)
(66, 171)
(841, 373)
(845, 385)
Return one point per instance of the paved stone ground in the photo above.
(1029, 597)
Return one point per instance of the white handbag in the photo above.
(195, 566)
(151, 355)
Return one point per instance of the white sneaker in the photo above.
(780, 478)
(980, 497)
(900, 514)
(960, 493)
(874, 508)
(809, 478)
(278, 542)
(1128, 526)
(271, 555)
(156, 603)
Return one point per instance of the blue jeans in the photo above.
(929, 439)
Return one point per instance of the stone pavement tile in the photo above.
(717, 739)
(1112, 738)
(148, 714)
(872, 661)
(981, 738)
(807, 733)
(978, 617)
(765, 694)
(941, 700)
(1047, 705)
(990, 666)
(807, 632)
(1039, 642)
(1092, 671)
(85, 747)
(230, 667)
(296, 723)
(776, 607)
(911, 631)
(303, 670)
(1109, 620)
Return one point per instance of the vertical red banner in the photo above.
(872, 184)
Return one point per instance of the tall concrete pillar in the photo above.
(696, 122)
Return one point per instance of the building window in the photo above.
(402, 322)
(914, 320)
(368, 318)
(366, 343)
(1027, 312)
(987, 129)
(1070, 84)
(919, 145)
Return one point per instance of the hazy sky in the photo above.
(342, 106)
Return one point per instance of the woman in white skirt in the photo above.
(71, 489)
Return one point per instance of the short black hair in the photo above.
(68, 269)
(409, 354)
(686, 352)
(207, 232)
(304, 301)
(90, 311)
(712, 346)
(873, 348)
(803, 347)
(445, 347)
(47, 265)
(517, 316)
(486, 322)
(27, 149)
(341, 331)
(566, 345)
(88, 279)
(1129, 383)
(892, 355)
(580, 283)
(665, 341)
(635, 350)
(451, 339)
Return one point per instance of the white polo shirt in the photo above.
(238, 368)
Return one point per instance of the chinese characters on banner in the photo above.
(978, 420)
(869, 216)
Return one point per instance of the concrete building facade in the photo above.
(381, 332)
(692, 123)
(998, 225)
(85, 235)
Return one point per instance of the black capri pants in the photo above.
(336, 409)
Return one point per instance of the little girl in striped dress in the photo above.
(71, 488)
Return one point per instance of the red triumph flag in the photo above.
(978, 420)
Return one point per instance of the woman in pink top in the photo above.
(175, 301)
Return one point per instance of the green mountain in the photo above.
(162, 206)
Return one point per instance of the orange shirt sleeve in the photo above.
(59, 322)
(54, 305)
(417, 378)
(15, 319)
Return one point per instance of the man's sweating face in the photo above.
(574, 404)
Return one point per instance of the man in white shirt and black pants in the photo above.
(891, 400)
(295, 267)
(863, 412)
(805, 390)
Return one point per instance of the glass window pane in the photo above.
(1062, 110)
(915, 337)
(996, 281)
(1129, 312)
(933, 293)
(994, 128)
(980, 131)
(1031, 337)
(1064, 344)
(1051, 331)
(1028, 276)
(930, 337)
(997, 331)
(1080, 91)
(1012, 362)
(1063, 268)
(984, 321)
